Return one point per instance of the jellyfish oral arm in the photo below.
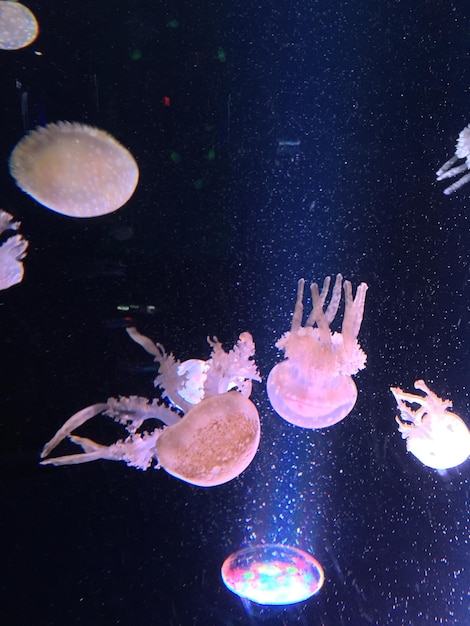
(12, 252)
(450, 169)
(182, 382)
(137, 450)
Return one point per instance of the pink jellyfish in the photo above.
(212, 443)
(12, 253)
(313, 387)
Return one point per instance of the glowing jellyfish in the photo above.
(313, 387)
(437, 437)
(18, 26)
(74, 169)
(12, 252)
(272, 574)
(450, 169)
(215, 440)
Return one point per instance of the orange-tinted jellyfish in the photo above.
(312, 387)
(74, 169)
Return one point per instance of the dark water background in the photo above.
(377, 94)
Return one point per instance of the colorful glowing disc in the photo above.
(272, 574)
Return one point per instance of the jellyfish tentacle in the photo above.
(319, 299)
(458, 183)
(353, 313)
(147, 344)
(332, 309)
(319, 316)
(77, 419)
(296, 322)
(450, 169)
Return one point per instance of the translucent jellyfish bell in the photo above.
(213, 443)
(313, 387)
(74, 169)
(18, 26)
(272, 574)
(437, 437)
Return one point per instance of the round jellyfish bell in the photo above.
(230, 422)
(273, 574)
(18, 26)
(74, 169)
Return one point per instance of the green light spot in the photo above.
(175, 157)
(221, 55)
(136, 55)
(210, 156)
(172, 24)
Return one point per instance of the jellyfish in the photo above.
(12, 252)
(74, 169)
(214, 440)
(272, 574)
(437, 437)
(450, 169)
(312, 387)
(18, 26)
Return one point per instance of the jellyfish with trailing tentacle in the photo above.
(437, 437)
(313, 387)
(214, 440)
(451, 167)
(12, 252)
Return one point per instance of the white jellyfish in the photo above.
(436, 436)
(215, 440)
(12, 252)
(18, 26)
(450, 169)
(312, 387)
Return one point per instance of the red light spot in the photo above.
(166, 101)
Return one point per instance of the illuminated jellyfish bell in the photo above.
(272, 574)
(437, 437)
(18, 26)
(74, 169)
(229, 422)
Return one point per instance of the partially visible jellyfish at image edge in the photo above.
(312, 387)
(272, 574)
(450, 167)
(74, 169)
(212, 443)
(18, 26)
(437, 437)
(12, 252)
